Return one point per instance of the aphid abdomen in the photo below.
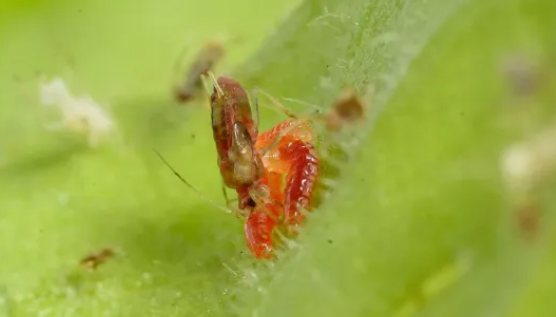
(300, 180)
(230, 105)
(222, 137)
(248, 167)
(236, 100)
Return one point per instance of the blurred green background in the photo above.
(418, 221)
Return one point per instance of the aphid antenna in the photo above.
(276, 105)
(205, 198)
(215, 83)
(319, 114)
(225, 194)
(255, 107)
(319, 109)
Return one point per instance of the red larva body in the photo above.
(300, 184)
(263, 218)
(259, 229)
(288, 130)
(296, 158)
(300, 180)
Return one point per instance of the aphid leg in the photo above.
(225, 194)
(318, 109)
(281, 134)
(234, 210)
(297, 129)
(320, 114)
(277, 104)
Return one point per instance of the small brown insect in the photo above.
(347, 109)
(92, 261)
(205, 61)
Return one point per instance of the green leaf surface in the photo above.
(419, 221)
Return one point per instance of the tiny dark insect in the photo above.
(347, 109)
(92, 261)
(204, 61)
